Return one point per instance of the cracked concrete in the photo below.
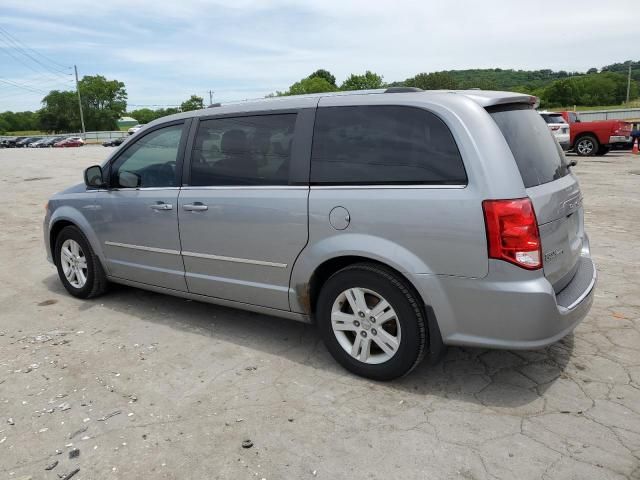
(192, 381)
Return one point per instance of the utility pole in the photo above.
(211, 97)
(628, 83)
(80, 103)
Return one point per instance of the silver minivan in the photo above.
(397, 220)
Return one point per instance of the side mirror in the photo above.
(93, 177)
(129, 179)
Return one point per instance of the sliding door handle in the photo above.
(161, 206)
(195, 207)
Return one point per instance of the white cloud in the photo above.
(165, 51)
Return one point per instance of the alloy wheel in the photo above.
(365, 325)
(74, 263)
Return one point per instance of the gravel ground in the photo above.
(149, 386)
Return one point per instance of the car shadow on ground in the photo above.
(490, 378)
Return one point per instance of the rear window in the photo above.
(553, 118)
(385, 144)
(538, 155)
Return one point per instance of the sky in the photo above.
(166, 50)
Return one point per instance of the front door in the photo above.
(138, 221)
(242, 222)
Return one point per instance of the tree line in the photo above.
(607, 86)
(105, 101)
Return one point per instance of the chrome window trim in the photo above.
(143, 248)
(129, 189)
(234, 259)
(247, 187)
(411, 186)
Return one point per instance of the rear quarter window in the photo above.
(385, 144)
(536, 152)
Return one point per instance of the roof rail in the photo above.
(403, 89)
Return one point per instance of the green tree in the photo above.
(309, 85)
(144, 115)
(18, 121)
(59, 112)
(193, 103)
(433, 81)
(326, 74)
(368, 81)
(104, 102)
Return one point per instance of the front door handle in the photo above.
(161, 206)
(195, 207)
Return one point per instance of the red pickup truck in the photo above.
(596, 138)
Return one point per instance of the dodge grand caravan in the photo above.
(398, 220)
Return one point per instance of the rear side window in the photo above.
(374, 145)
(553, 118)
(539, 157)
(253, 150)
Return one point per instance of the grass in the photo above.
(25, 133)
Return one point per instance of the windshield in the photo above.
(538, 155)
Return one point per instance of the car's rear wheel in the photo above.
(587, 146)
(372, 322)
(79, 269)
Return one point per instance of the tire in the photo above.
(95, 281)
(587, 146)
(602, 151)
(403, 330)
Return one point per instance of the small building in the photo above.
(127, 122)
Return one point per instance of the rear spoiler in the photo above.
(492, 98)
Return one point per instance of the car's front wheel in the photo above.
(79, 269)
(372, 322)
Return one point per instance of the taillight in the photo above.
(512, 232)
(555, 127)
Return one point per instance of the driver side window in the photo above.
(150, 161)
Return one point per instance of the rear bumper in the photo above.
(499, 312)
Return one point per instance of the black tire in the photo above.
(603, 150)
(586, 146)
(96, 283)
(402, 298)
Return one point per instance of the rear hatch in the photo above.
(553, 190)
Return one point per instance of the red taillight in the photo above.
(512, 232)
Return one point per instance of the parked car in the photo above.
(11, 142)
(49, 142)
(134, 129)
(113, 142)
(596, 138)
(378, 216)
(558, 127)
(39, 143)
(69, 142)
(25, 141)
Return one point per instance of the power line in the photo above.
(16, 40)
(22, 86)
(14, 44)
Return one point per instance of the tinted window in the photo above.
(151, 159)
(538, 155)
(553, 118)
(383, 145)
(243, 151)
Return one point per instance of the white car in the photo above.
(558, 127)
(134, 129)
